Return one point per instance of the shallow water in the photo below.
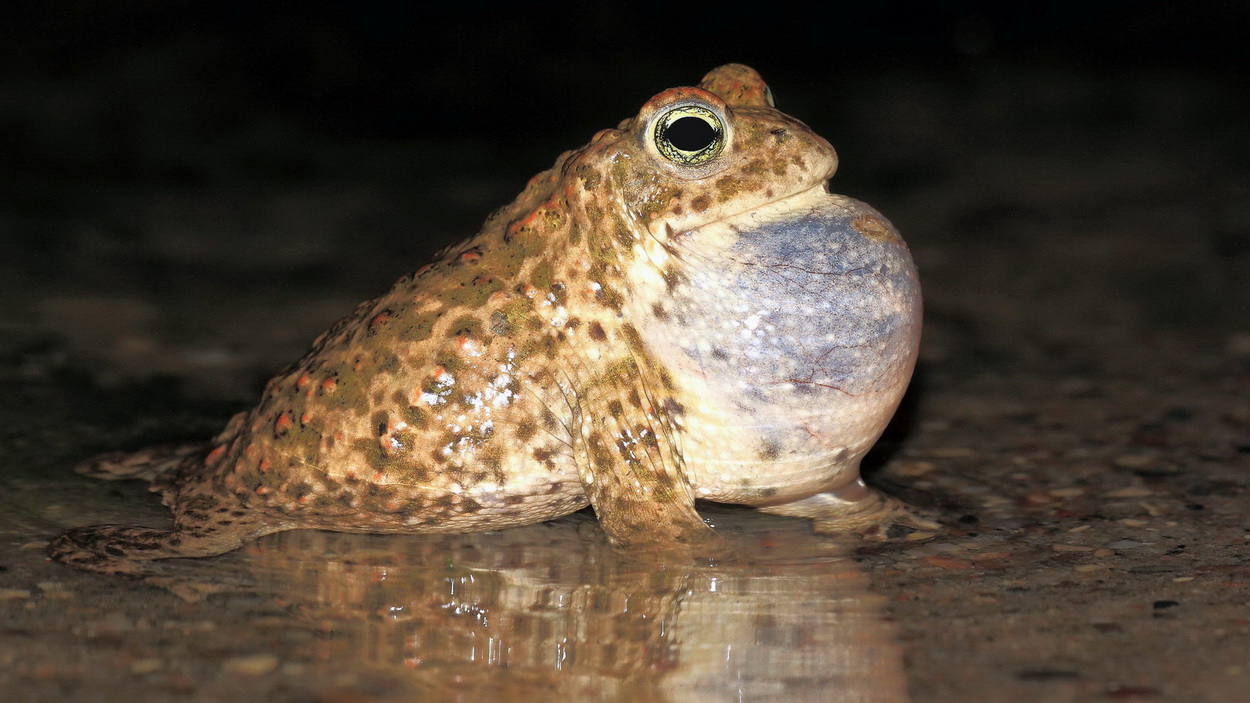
(552, 610)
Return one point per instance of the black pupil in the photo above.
(690, 134)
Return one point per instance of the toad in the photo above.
(677, 311)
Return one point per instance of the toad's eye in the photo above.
(689, 135)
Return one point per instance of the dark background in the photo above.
(193, 187)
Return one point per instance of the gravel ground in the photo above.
(179, 217)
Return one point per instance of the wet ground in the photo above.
(1080, 418)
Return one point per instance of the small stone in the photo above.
(1130, 492)
(54, 590)
(14, 593)
(1103, 553)
(1125, 544)
(1086, 568)
(1136, 460)
(1070, 548)
(913, 468)
(111, 624)
(948, 562)
(953, 452)
(1133, 522)
(251, 665)
(1066, 492)
(146, 666)
(1075, 386)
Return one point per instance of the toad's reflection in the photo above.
(552, 609)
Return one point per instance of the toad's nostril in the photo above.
(778, 132)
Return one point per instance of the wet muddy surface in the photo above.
(1079, 422)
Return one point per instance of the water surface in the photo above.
(551, 609)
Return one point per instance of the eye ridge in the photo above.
(689, 135)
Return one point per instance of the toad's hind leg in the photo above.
(146, 464)
(859, 510)
(122, 549)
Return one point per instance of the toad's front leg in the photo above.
(633, 475)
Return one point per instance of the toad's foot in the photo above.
(122, 549)
(859, 510)
(145, 465)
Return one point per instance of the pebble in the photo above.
(1126, 544)
(948, 562)
(913, 468)
(14, 593)
(953, 452)
(146, 666)
(251, 665)
(54, 590)
(1070, 548)
(110, 624)
(1130, 492)
(1138, 460)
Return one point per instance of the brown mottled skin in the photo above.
(524, 374)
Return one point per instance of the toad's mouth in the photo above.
(808, 200)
